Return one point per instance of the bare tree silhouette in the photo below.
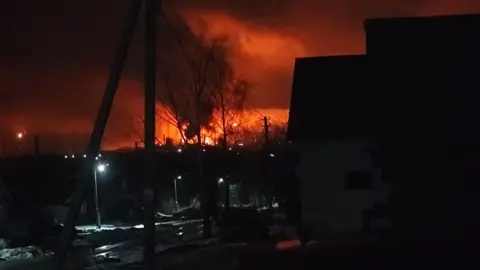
(229, 102)
(189, 96)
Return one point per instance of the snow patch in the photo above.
(209, 254)
(22, 253)
(93, 228)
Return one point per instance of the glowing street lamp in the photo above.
(100, 168)
(20, 136)
(220, 180)
(176, 193)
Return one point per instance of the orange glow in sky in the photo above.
(255, 53)
(272, 48)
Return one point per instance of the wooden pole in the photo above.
(150, 113)
(94, 144)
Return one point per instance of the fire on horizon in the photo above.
(54, 66)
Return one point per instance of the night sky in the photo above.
(54, 54)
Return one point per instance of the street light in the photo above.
(225, 185)
(176, 193)
(100, 168)
(20, 136)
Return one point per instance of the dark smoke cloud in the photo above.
(320, 23)
(321, 27)
(54, 54)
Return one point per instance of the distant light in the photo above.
(99, 155)
(179, 150)
(179, 177)
(272, 155)
(96, 158)
(235, 124)
(66, 156)
(84, 156)
(220, 180)
(204, 150)
(20, 135)
(240, 144)
(230, 149)
(101, 168)
(73, 156)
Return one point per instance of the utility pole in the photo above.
(176, 194)
(266, 130)
(266, 127)
(94, 144)
(150, 112)
(98, 219)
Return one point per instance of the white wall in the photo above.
(322, 170)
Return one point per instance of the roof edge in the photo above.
(369, 21)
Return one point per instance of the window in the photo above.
(358, 180)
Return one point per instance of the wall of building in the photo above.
(421, 84)
(326, 200)
(423, 99)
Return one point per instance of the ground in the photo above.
(178, 248)
(362, 252)
(243, 257)
(112, 242)
(362, 255)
